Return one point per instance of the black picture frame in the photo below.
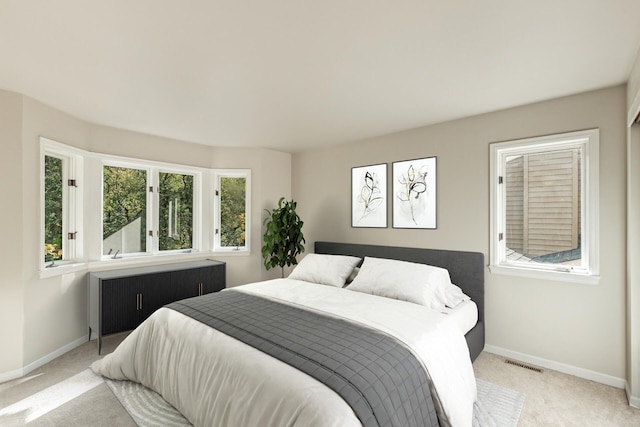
(415, 193)
(369, 196)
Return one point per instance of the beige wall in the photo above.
(11, 289)
(633, 239)
(578, 325)
(55, 308)
(44, 316)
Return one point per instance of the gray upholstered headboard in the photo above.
(465, 268)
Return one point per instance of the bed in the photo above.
(242, 358)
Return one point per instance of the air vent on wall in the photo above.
(522, 365)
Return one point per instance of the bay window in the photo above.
(136, 208)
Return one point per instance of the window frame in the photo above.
(217, 220)
(128, 164)
(153, 170)
(196, 173)
(72, 202)
(588, 141)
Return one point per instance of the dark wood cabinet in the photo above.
(119, 300)
(198, 281)
(212, 280)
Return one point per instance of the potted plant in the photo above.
(283, 238)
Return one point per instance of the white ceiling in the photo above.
(297, 74)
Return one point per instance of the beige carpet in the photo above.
(96, 407)
(56, 395)
(556, 399)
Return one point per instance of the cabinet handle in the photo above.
(140, 300)
(137, 302)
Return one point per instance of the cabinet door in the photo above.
(120, 305)
(156, 291)
(185, 283)
(213, 278)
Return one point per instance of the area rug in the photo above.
(496, 406)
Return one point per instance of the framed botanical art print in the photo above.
(414, 193)
(369, 196)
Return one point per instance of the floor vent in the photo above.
(522, 365)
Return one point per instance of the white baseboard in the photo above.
(12, 375)
(557, 366)
(633, 400)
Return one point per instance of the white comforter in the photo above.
(215, 380)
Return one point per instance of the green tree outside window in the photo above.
(52, 208)
(176, 211)
(232, 211)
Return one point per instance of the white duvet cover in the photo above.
(215, 380)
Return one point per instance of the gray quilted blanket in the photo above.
(376, 375)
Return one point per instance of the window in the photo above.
(53, 168)
(544, 198)
(61, 204)
(124, 210)
(136, 219)
(176, 211)
(136, 208)
(232, 210)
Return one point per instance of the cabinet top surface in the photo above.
(160, 268)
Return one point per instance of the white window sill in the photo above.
(62, 269)
(144, 260)
(531, 273)
(135, 261)
(231, 252)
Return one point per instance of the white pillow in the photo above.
(455, 296)
(330, 270)
(418, 283)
